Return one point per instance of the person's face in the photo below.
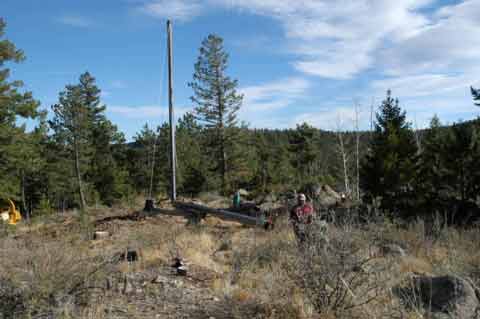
(301, 201)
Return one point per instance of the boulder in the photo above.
(325, 196)
(442, 297)
(243, 192)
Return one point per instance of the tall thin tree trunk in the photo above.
(345, 162)
(357, 151)
(24, 201)
(222, 133)
(83, 204)
(343, 154)
(223, 164)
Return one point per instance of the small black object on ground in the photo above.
(180, 266)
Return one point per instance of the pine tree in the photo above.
(191, 178)
(475, 95)
(264, 167)
(388, 171)
(14, 141)
(217, 105)
(108, 178)
(32, 166)
(140, 159)
(461, 155)
(304, 153)
(76, 116)
(430, 180)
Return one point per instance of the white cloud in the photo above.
(424, 84)
(338, 39)
(181, 10)
(450, 44)
(75, 21)
(273, 95)
(334, 118)
(425, 52)
(262, 102)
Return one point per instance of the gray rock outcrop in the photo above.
(442, 297)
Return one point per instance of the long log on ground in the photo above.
(171, 212)
(221, 213)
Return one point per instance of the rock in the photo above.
(443, 297)
(323, 195)
(243, 192)
(101, 235)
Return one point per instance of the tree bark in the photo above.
(83, 204)
(24, 201)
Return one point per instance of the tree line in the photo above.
(77, 157)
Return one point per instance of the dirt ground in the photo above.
(147, 287)
(53, 267)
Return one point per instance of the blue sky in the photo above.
(296, 61)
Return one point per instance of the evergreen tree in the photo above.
(461, 157)
(14, 140)
(140, 159)
(264, 168)
(475, 95)
(191, 178)
(217, 104)
(32, 166)
(304, 153)
(430, 180)
(149, 161)
(388, 171)
(78, 120)
(108, 178)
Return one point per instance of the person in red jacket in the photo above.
(301, 215)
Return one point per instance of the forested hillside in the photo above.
(76, 157)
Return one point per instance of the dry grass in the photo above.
(59, 270)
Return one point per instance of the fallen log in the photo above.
(195, 211)
(223, 214)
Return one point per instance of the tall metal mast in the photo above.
(173, 156)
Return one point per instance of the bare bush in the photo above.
(335, 274)
(51, 279)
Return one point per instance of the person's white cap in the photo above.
(302, 197)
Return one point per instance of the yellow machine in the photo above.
(10, 214)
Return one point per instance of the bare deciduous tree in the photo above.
(343, 153)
